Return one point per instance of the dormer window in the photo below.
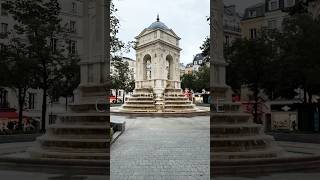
(289, 3)
(273, 5)
(252, 13)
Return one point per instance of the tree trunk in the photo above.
(255, 104)
(21, 103)
(44, 110)
(123, 97)
(66, 98)
(116, 96)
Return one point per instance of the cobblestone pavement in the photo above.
(17, 175)
(162, 149)
(285, 176)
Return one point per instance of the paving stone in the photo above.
(162, 149)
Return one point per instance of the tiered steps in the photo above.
(75, 136)
(235, 136)
(175, 101)
(141, 101)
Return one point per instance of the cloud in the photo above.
(186, 17)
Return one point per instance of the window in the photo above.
(289, 3)
(72, 27)
(252, 13)
(253, 33)
(4, 98)
(4, 28)
(273, 5)
(272, 24)
(31, 100)
(227, 40)
(53, 44)
(72, 47)
(4, 12)
(200, 61)
(74, 8)
(3, 48)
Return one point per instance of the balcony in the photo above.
(232, 28)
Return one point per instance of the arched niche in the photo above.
(169, 67)
(147, 68)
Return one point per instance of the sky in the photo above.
(187, 18)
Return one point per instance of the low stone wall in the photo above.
(18, 138)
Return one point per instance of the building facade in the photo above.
(231, 24)
(253, 21)
(71, 19)
(267, 15)
(275, 12)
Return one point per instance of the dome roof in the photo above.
(158, 24)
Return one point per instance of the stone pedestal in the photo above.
(83, 133)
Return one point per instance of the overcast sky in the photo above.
(187, 18)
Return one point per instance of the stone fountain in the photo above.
(81, 134)
(158, 86)
(235, 139)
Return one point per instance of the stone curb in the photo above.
(263, 167)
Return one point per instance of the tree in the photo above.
(205, 47)
(39, 21)
(202, 78)
(301, 54)
(188, 81)
(17, 69)
(121, 77)
(248, 64)
(69, 81)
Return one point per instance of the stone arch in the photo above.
(147, 68)
(169, 67)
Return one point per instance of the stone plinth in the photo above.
(235, 136)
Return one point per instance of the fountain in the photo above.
(157, 87)
(238, 146)
(78, 141)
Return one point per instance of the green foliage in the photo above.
(188, 81)
(299, 43)
(39, 22)
(122, 77)
(205, 47)
(197, 81)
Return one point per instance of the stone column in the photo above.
(93, 62)
(217, 62)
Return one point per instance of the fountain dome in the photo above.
(158, 25)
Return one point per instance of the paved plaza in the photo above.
(162, 149)
(284, 176)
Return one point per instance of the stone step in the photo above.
(55, 141)
(84, 118)
(43, 153)
(138, 106)
(253, 154)
(142, 95)
(78, 131)
(139, 110)
(229, 118)
(177, 102)
(179, 106)
(139, 102)
(243, 138)
(141, 98)
(175, 98)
